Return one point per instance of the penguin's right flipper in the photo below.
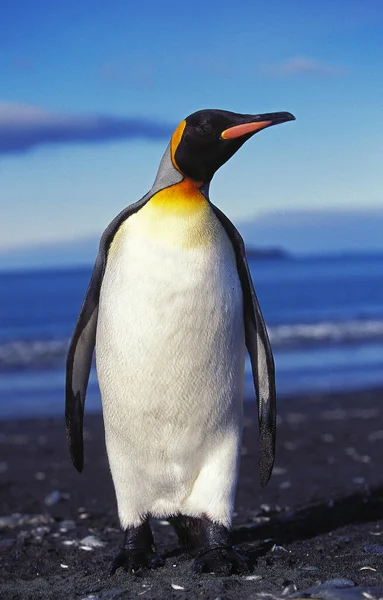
(79, 362)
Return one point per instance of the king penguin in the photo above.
(171, 309)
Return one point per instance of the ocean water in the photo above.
(324, 315)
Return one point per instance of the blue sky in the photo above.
(68, 64)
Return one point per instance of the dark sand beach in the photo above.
(320, 517)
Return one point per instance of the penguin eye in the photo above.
(205, 128)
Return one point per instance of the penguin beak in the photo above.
(256, 123)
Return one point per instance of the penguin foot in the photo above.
(134, 561)
(221, 561)
(137, 551)
(210, 541)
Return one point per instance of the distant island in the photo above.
(266, 253)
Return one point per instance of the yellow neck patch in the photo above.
(183, 197)
(176, 138)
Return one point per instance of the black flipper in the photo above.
(261, 357)
(79, 359)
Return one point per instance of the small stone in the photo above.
(276, 548)
(67, 525)
(350, 451)
(375, 435)
(177, 587)
(63, 566)
(366, 413)
(39, 532)
(290, 445)
(269, 509)
(339, 582)
(37, 520)
(18, 439)
(338, 414)
(40, 476)
(91, 541)
(290, 588)
(163, 523)
(326, 589)
(285, 485)
(252, 577)
(84, 516)
(279, 471)
(358, 480)
(375, 549)
(366, 568)
(8, 521)
(6, 543)
(22, 536)
(257, 520)
(55, 497)
(296, 418)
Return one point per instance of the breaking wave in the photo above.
(325, 332)
(22, 355)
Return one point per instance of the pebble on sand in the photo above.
(90, 542)
(55, 497)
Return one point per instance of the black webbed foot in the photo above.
(134, 561)
(137, 552)
(211, 543)
(222, 561)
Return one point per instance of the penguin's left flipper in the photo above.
(79, 362)
(80, 353)
(258, 346)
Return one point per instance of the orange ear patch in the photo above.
(176, 138)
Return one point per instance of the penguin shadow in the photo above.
(310, 521)
(305, 523)
(302, 524)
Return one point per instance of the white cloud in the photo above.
(301, 65)
(23, 127)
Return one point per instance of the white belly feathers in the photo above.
(170, 361)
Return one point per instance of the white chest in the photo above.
(171, 313)
(170, 361)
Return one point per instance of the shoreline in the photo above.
(319, 518)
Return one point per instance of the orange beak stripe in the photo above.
(238, 130)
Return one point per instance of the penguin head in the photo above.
(206, 139)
